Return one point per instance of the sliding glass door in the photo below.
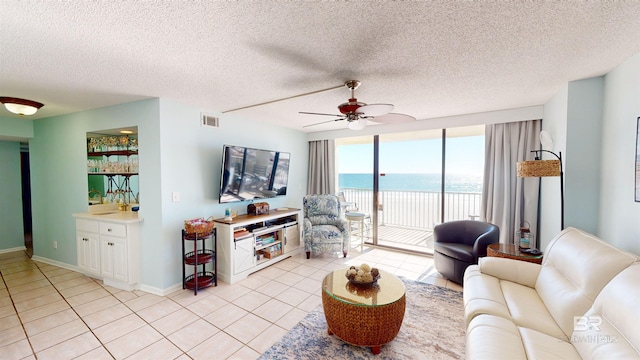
(410, 184)
(464, 167)
(406, 183)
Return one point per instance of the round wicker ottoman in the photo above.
(364, 316)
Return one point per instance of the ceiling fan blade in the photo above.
(375, 109)
(393, 118)
(323, 122)
(314, 113)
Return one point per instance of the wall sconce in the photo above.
(20, 106)
(538, 168)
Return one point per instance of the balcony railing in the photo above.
(415, 210)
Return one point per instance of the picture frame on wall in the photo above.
(637, 189)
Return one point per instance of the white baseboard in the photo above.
(19, 248)
(160, 292)
(56, 263)
(145, 288)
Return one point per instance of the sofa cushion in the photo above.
(491, 337)
(611, 328)
(519, 272)
(482, 295)
(542, 346)
(575, 268)
(483, 292)
(528, 310)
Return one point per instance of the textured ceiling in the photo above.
(429, 59)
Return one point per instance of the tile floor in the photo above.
(47, 312)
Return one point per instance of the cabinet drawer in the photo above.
(112, 229)
(87, 225)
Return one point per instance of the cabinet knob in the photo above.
(109, 229)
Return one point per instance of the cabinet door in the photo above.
(244, 255)
(114, 257)
(88, 252)
(120, 262)
(291, 238)
(106, 257)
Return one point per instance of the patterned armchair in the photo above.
(324, 230)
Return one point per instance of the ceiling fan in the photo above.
(358, 113)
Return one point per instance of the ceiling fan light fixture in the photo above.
(357, 124)
(20, 106)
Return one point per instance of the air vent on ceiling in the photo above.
(209, 120)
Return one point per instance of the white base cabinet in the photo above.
(110, 250)
(88, 252)
(250, 243)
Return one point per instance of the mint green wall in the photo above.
(619, 214)
(15, 129)
(191, 165)
(59, 185)
(583, 149)
(11, 231)
(175, 154)
(593, 123)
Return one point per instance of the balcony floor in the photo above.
(400, 237)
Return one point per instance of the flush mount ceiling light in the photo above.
(20, 106)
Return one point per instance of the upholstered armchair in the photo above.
(458, 244)
(324, 230)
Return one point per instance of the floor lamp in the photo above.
(538, 168)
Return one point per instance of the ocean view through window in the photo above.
(423, 178)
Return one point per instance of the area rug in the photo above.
(433, 328)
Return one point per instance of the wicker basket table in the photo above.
(368, 316)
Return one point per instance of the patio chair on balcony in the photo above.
(458, 244)
(324, 229)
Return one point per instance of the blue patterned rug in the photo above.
(433, 328)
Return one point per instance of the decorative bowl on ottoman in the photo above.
(364, 275)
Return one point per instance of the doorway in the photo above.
(26, 197)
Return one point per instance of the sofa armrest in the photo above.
(520, 272)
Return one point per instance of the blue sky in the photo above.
(465, 155)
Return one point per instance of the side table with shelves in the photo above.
(201, 259)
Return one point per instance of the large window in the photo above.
(408, 182)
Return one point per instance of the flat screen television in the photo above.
(253, 174)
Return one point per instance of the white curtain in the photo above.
(321, 175)
(509, 201)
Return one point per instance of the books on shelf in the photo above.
(271, 251)
(240, 232)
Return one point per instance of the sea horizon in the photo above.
(455, 183)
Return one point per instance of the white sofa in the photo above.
(582, 302)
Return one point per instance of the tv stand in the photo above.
(249, 243)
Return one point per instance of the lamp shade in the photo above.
(20, 106)
(537, 168)
(357, 124)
